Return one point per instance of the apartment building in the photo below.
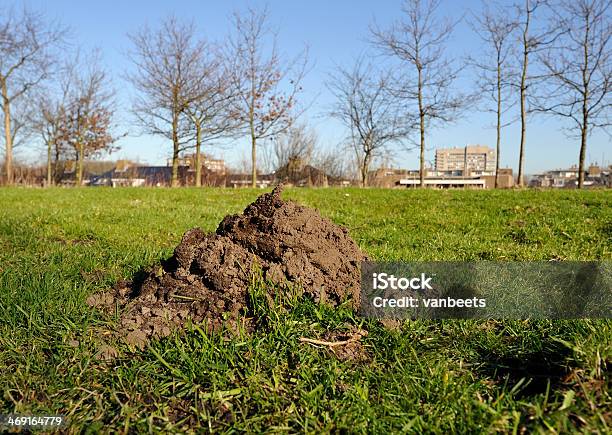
(471, 159)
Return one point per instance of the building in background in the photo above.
(595, 176)
(264, 181)
(207, 161)
(472, 166)
(127, 173)
(476, 182)
(505, 179)
(390, 177)
(468, 160)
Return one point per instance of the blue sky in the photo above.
(336, 32)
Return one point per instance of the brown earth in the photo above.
(208, 277)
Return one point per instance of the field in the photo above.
(58, 246)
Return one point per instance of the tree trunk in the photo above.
(79, 165)
(422, 131)
(56, 160)
(499, 107)
(198, 164)
(523, 92)
(585, 108)
(174, 182)
(8, 139)
(253, 161)
(364, 170)
(253, 142)
(584, 131)
(522, 147)
(583, 146)
(175, 151)
(252, 131)
(49, 160)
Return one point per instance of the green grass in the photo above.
(58, 246)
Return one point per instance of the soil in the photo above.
(208, 278)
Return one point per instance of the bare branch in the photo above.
(370, 112)
(425, 82)
(267, 85)
(495, 27)
(168, 79)
(579, 70)
(28, 44)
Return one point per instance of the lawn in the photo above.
(58, 246)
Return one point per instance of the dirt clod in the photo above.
(208, 277)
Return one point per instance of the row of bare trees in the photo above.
(298, 147)
(561, 68)
(69, 103)
(538, 56)
(191, 90)
(75, 121)
(27, 59)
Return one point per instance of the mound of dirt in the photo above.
(208, 277)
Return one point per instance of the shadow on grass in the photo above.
(534, 371)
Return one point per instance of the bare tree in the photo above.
(209, 106)
(52, 102)
(418, 42)
(370, 113)
(47, 122)
(268, 85)
(85, 124)
(495, 28)
(167, 77)
(295, 144)
(579, 68)
(531, 41)
(27, 41)
(51, 115)
(332, 162)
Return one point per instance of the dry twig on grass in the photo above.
(354, 337)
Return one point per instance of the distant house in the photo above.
(568, 178)
(245, 180)
(294, 173)
(66, 170)
(446, 182)
(390, 177)
(207, 162)
(135, 176)
(555, 178)
(126, 173)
